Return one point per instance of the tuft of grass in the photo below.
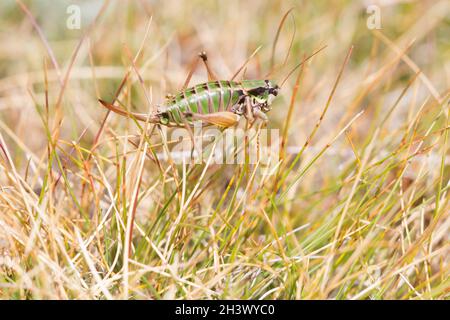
(94, 205)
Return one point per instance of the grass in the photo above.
(94, 206)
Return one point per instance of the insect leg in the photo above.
(260, 115)
(191, 135)
(192, 68)
(123, 112)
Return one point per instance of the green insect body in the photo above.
(218, 103)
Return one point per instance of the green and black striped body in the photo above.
(210, 97)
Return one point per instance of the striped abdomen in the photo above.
(205, 98)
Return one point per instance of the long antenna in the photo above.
(298, 65)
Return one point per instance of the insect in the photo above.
(220, 103)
